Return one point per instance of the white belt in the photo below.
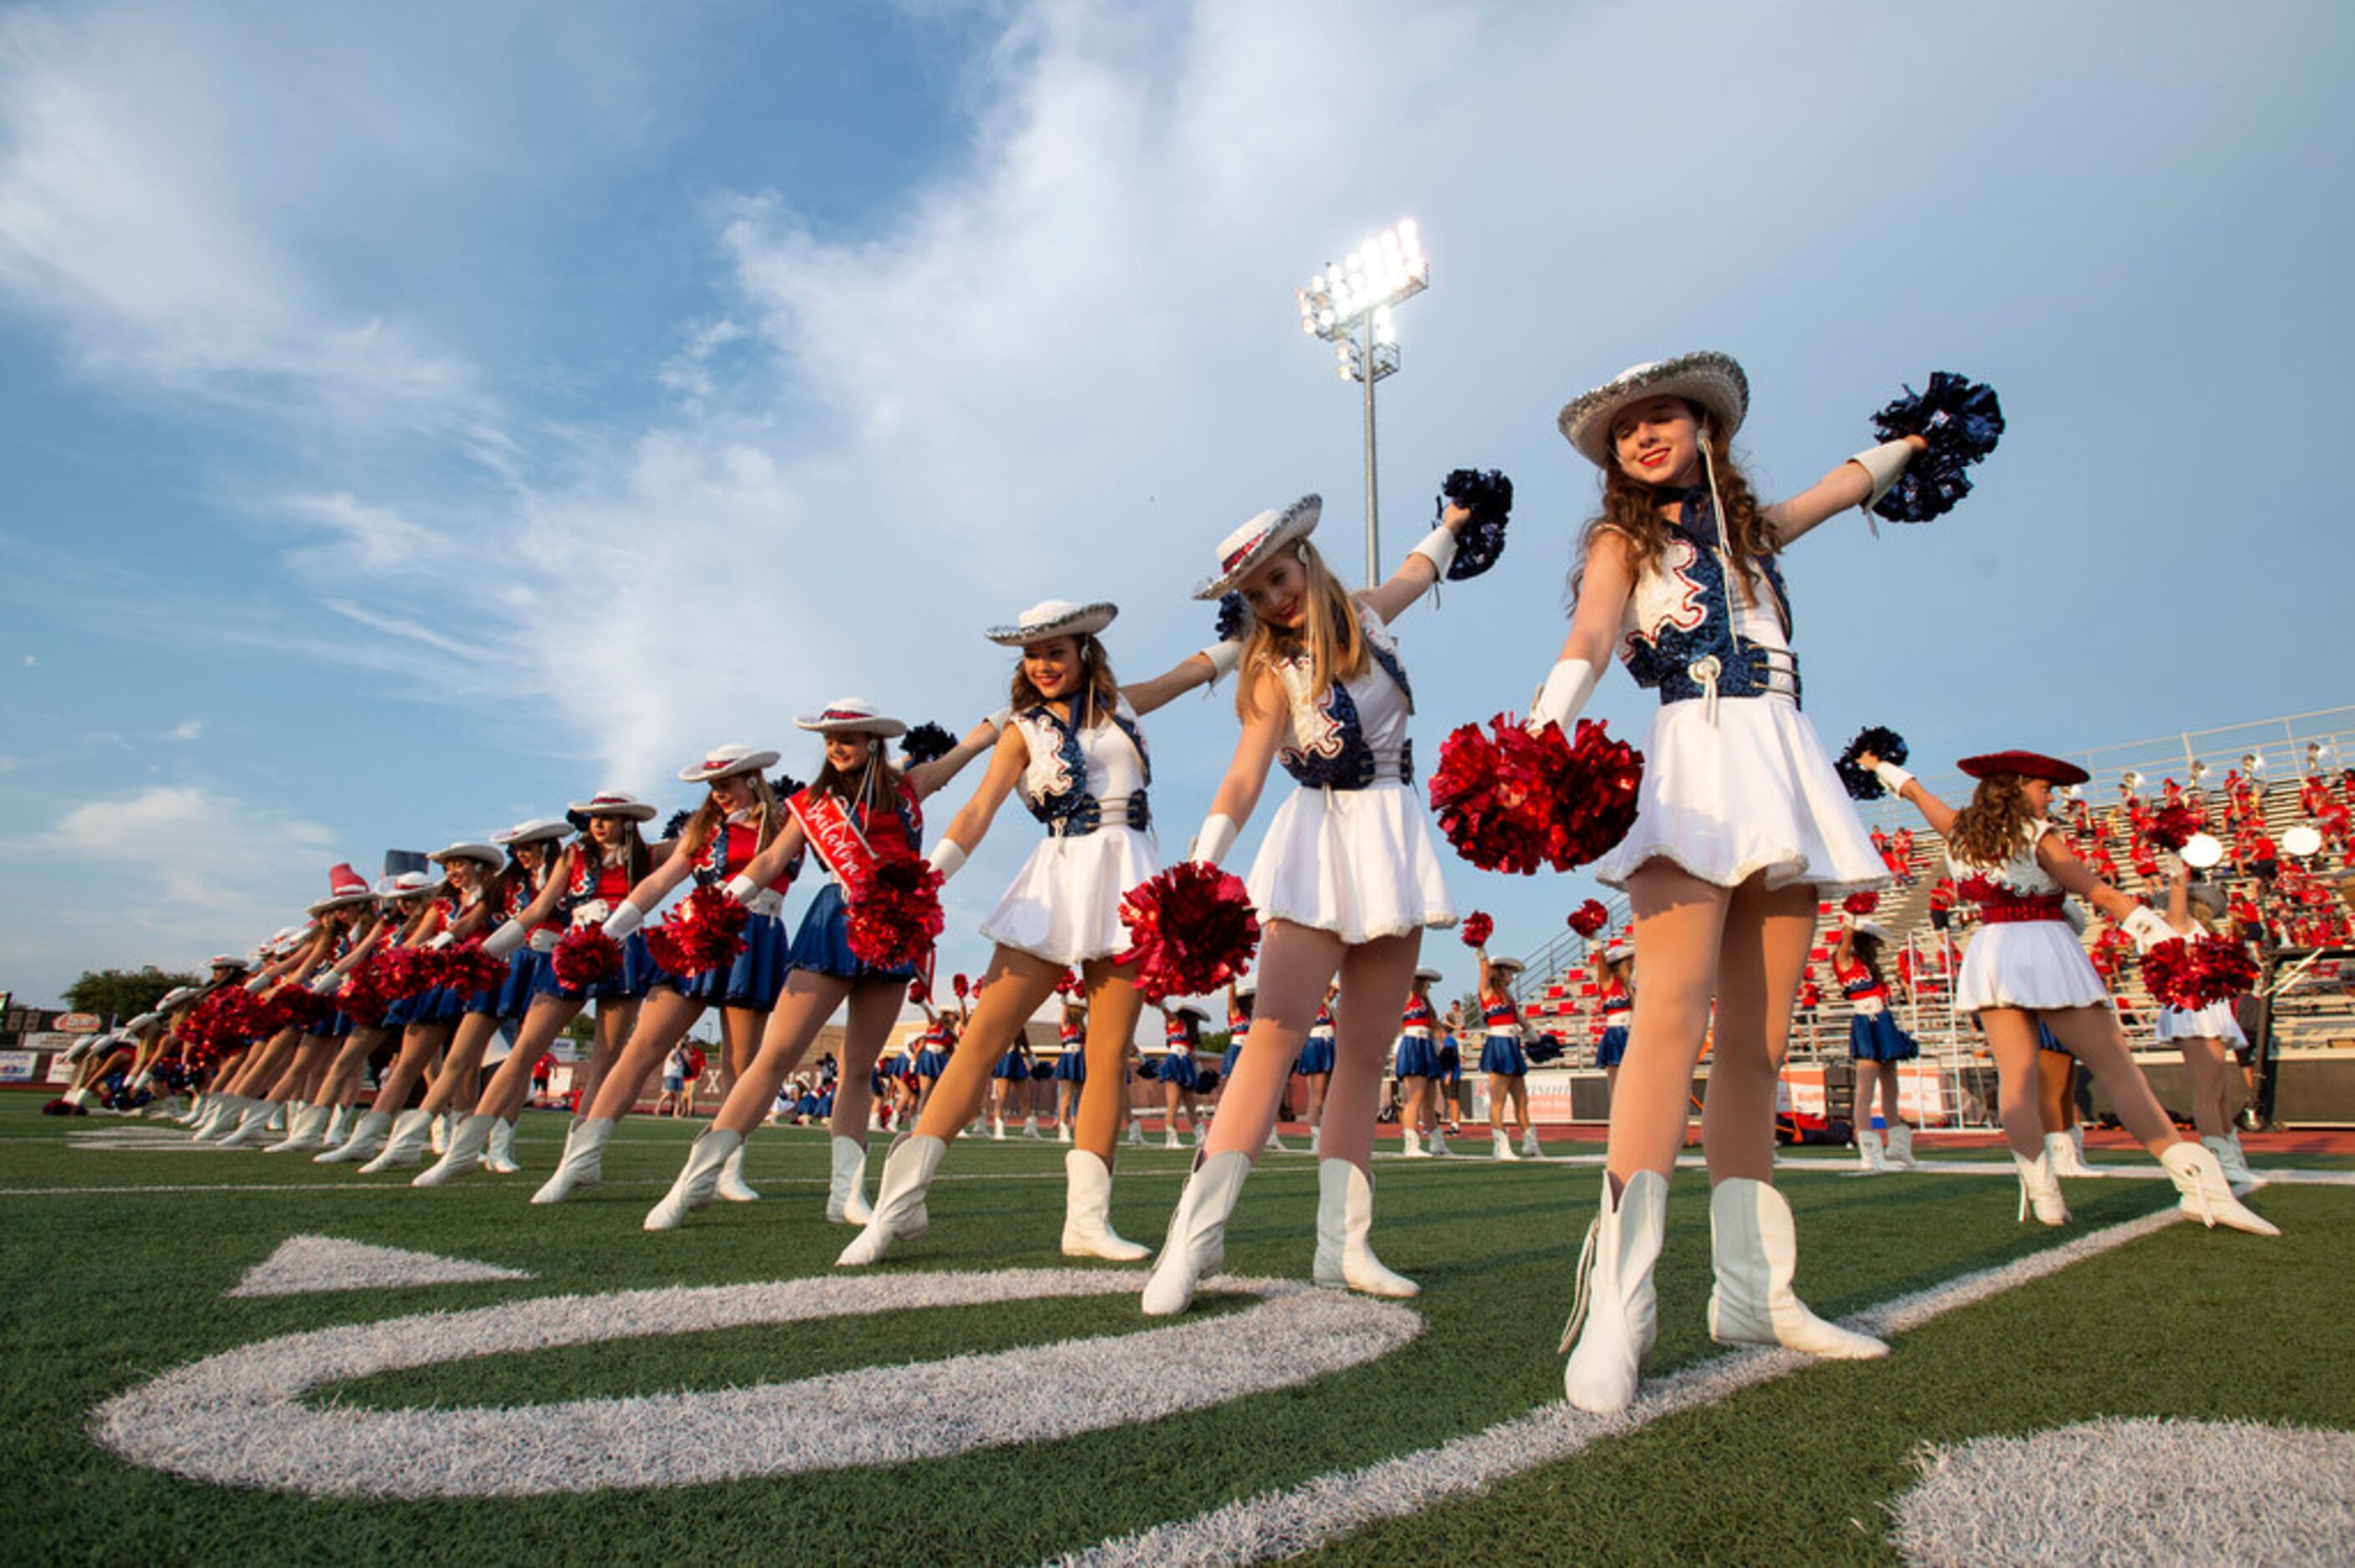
(1416, 1031)
(766, 902)
(1870, 1006)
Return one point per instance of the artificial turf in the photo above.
(109, 1287)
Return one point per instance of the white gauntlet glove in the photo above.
(1223, 657)
(2147, 928)
(327, 984)
(625, 918)
(1565, 691)
(441, 941)
(505, 939)
(1218, 836)
(1892, 777)
(1884, 465)
(945, 857)
(740, 887)
(1438, 547)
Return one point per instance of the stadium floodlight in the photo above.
(1348, 305)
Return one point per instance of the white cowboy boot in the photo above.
(699, 1179)
(583, 1164)
(1439, 1149)
(339, 1127)
(406, 1147)
(1500, 1145)
(1899, 1150)
(437, 1133)
(1169, 1135)
(251, 1128)
(1345, 1214)
(498, 1155)
(733, 1186)
(1529, 1148)
(1316, 1139)
(367, 1137)
(1756, 1246)
(1197, 1243)
(846, 1196)
(1615, 1307)
(1868, 1150)
(1030, 1128)
(1409, 1146)
(2039, 1190)
(1087, 1212)
(2237, 1174)
(1136, 1135)
(2065, 1155)
(1062, 1132)
(221, 1113)
(308, 1133)
(899, 1214)
(1275, 1144)
(2206, 1195)
(465, 1152)
(998, 1129)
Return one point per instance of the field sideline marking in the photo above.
(1303, 1518)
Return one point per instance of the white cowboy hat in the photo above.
(1242, 552)
(230, 959)
(851, 716)
(1507, 964)
(539, 830)
(1189, 1007)
(173, 997)
(613, 803)
(724, 761)
(466, 849)
(1713, 381)
(1428, 976)
(1872, 928)
(1618, 950)
(1053, 618)
(402, 884)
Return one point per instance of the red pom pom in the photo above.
(705, 932)
(1477, 928)
(961, 986)
(1589, 918)
(896, 918)
(586, 957)
(2171, 827)
(1512, 801)
(466, 968)
(1069, 985)
(298, 1007)
(1864, 903)
(402, 972)
(224, 1021)
(1191, 929)
(919, 991)
(2193, 972)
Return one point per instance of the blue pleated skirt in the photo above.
(751, 981)
(822, 945)
(1316, 1054)
(1417, 1057)
(1071, 1066)
(1012, 1069)
(1613, 1048)
(1234, 1054)
(1503, 1054)
(1178, 1068)
(930, 1064)
(1875, 1037)
(513, 999)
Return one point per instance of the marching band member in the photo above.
(1346, 881)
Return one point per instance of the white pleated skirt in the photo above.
(2028, 963)
(1360, 864)
(1064, 905)
(2217, 1021)
(1751, 792)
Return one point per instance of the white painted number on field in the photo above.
(238, 1419)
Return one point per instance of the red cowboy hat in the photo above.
(2026, 763)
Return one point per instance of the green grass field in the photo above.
(117, 1261)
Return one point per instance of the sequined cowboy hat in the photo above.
(345, 886)
(723, 761)
(1242, 552)
(1712, 381)
(851, 716)
(489, 855)
(2026, 763)
(613, 803)
(539, 830)
(1618, 950)
(1053, 618)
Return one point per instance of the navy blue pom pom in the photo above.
(925, 741)
(1962, 422)
(1882, 742)
(580, 821)
(676, 826)
(1232, 618)
(784, 786)
(1487, 495)
(1544, 1048)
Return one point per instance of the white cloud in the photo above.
(188, 729)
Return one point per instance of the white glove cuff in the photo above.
(1223, 657)
(999, 720)
(946, 857)
(1438, 547)
(505, 939)
(2147, 928)
(1892, 777)
(1218, 836)
(741, 888)
(1884, 464)
(1567, 687)
(327, 984)
(441, 941)
(625, 918)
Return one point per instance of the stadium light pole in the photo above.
(1348, 305)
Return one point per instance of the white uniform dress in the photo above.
(2035, 962)
(1064, 905)
(1734, 786)
(1357, 862)
(2217, 1021)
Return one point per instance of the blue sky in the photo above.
(412, 419)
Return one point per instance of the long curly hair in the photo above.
(1630, 508)
(1330, 634)
(1994, 826)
